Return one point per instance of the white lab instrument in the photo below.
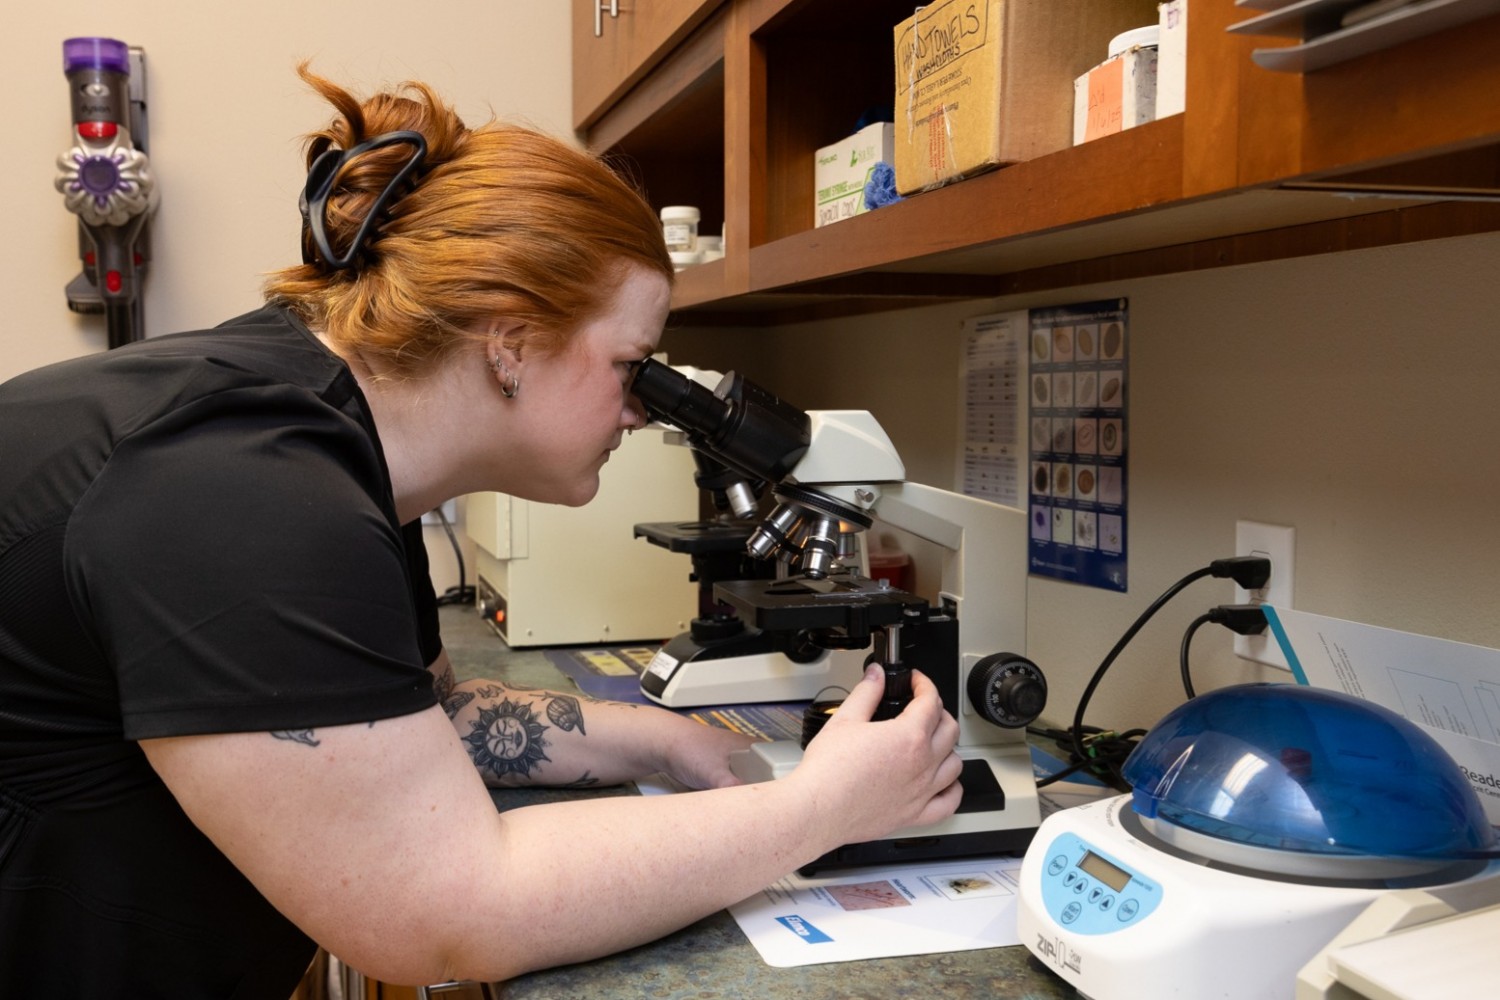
(720, 660)
(1412, 944)
(683, 673)
(982, 590)
(1265, 818)
(992, 694)
(556, 575)
(835, 471)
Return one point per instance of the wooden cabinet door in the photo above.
(626, 47)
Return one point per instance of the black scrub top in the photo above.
(197, 535)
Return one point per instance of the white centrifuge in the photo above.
(1264, 818)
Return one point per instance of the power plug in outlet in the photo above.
(1274, 542)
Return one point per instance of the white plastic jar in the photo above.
(679, 226)
(685, 258)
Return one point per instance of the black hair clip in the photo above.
(313, 202)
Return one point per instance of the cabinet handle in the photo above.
(614, 11)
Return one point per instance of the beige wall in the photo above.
(227, 113)
(1351, 396)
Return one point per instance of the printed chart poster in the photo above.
(1077, 389)
(992, 463)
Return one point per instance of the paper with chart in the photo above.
(956, 905)
(882, 912)
(992, 379)
(1450, 689)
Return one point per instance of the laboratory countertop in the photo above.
(712, 958)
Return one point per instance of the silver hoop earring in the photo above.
(512, 383)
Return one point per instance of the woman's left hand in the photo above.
(697, 755)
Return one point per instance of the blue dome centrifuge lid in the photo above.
(1303, 769)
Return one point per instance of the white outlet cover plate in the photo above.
(1277, 543)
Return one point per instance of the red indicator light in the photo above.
(98, 130)
(112, 281)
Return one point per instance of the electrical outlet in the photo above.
(1274, 542)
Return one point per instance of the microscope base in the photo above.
(1000, 813)
(684, 674)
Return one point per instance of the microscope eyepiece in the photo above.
(673, 398)
(739, 423)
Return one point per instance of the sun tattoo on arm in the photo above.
(563, 710)
(507, 739)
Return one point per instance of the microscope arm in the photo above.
(835, 471)
(984, 559)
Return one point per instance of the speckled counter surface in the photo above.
(712, 958)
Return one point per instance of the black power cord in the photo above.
(1245, 619)
(1104, 752)
(463, 593)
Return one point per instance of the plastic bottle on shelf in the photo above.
(679, 226)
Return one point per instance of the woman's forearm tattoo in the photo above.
(566, 713)
(507, 739)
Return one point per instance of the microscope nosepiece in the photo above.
(820, 549)
(776, 532)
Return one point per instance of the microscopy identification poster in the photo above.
(1077, 387)
(992, 460)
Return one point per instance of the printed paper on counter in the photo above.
(960, 905)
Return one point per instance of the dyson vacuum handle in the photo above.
(105, 179)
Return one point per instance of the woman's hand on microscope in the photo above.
(695, 754)
(876, 777)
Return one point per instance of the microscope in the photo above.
(836, 470)
(720, 660)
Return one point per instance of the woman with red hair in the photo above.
(228, 730)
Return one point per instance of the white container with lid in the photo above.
(685, 258)
(1144, 37)
(679, 226)
(1120, 92)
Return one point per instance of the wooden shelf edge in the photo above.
(1116, 175)
(700, 285)
(886, 291)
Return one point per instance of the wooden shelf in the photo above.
(1261, 166)
(1219, 232)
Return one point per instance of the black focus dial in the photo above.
(1008, 690)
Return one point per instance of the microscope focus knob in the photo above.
(1007, 689)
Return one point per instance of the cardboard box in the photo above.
(1117, 94)
(981, 83)
(841, 171)
(1171, 58)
